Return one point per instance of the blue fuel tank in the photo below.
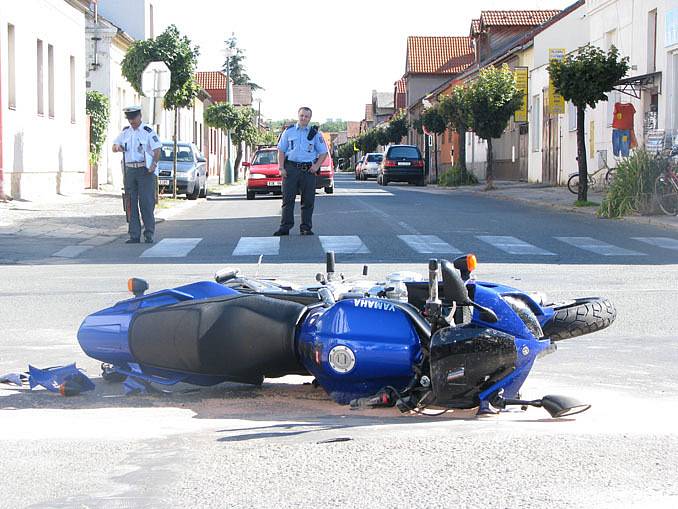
(359, 346)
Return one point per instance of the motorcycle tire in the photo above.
(579, 317)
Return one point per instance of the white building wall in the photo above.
(44, 154)
(570, 32)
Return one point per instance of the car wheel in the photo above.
(357, 175)
(421, 182)
(329, 189)
(384, 180)
(250, 195)
(203, 190)
(196, 191)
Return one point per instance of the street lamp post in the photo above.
(229, 167)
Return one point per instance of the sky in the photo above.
(326, 55)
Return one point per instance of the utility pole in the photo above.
(229, 53)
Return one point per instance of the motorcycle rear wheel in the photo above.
(579, 317)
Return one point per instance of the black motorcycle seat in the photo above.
(240, 336)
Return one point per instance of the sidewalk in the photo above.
(559, 198)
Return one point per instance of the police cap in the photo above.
(132, 111)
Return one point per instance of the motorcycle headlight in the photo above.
(257, 176)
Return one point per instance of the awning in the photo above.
(635, 85)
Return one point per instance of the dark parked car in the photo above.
(402, 163)
(191, 170)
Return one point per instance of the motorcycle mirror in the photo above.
(329, 264)
(453, 285)
(562, 406)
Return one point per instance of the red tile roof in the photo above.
(475, 26)
(400, 86)
(352, 129)
(438, 55)
(214, 83)
(515, 18)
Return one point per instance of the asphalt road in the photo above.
(238, 446)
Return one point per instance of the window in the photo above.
(72, 68)
(40, 89)
(536, 123)
(571, 116)
(50, 80)
(11, 68)
(651, 41)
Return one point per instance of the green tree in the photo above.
(383, 136)
(368, 142)
(333, 125)
(239, 120)
(397, 128)
(584, 78)
(98, 109)
(266, 137)
(493, 99)
(181, 58)
(455, 109)
(236, 66)
(433, 120)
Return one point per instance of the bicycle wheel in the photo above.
(667, 195)
(573, 184)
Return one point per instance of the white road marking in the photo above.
(663, 242)
(72, 251)
(257, 246)
(343, 244)
(598, 246)
(428, 244)
(512, 245)
(171, 248)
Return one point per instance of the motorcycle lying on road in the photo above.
(449, 342)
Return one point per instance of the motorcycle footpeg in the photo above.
(380, 399)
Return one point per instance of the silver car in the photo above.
(191, 170)
(370, 166)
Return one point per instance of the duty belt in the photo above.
(135, 165)
(302, 166)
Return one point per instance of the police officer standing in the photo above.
(139, 144)
(301, 151)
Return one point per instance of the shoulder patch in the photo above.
(155, 138)
(126, 127)
(146, 128)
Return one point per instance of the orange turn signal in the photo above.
(130, 284)
(471, 262)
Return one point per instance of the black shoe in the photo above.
(306, 232)
(132, 241)
(148, 240)
(281, 233)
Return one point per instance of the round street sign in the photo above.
(155, 80)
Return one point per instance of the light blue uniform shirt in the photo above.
(298, 148)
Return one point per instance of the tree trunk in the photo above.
(489, 178)
(461, 134)
(238, 158)
(174, 159)
(581, 156)
(435, 149)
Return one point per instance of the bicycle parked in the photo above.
(666, 187)
(608, 177)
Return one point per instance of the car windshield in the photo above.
(374, 158)
(267, 157)
(403, 152)
(184, 154)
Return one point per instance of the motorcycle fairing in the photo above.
(467, 360)
(381, 337)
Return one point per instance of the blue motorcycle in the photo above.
(449, 342)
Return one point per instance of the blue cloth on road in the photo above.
(621, 142)
(297, 147)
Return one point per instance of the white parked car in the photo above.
(370, 165)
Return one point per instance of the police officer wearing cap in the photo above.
(141, 153)
(301, 151)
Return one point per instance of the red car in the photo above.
(263, 176)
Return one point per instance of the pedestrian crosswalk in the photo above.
(397, 245)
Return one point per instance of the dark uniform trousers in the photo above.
(140, 186)
(303, 182)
